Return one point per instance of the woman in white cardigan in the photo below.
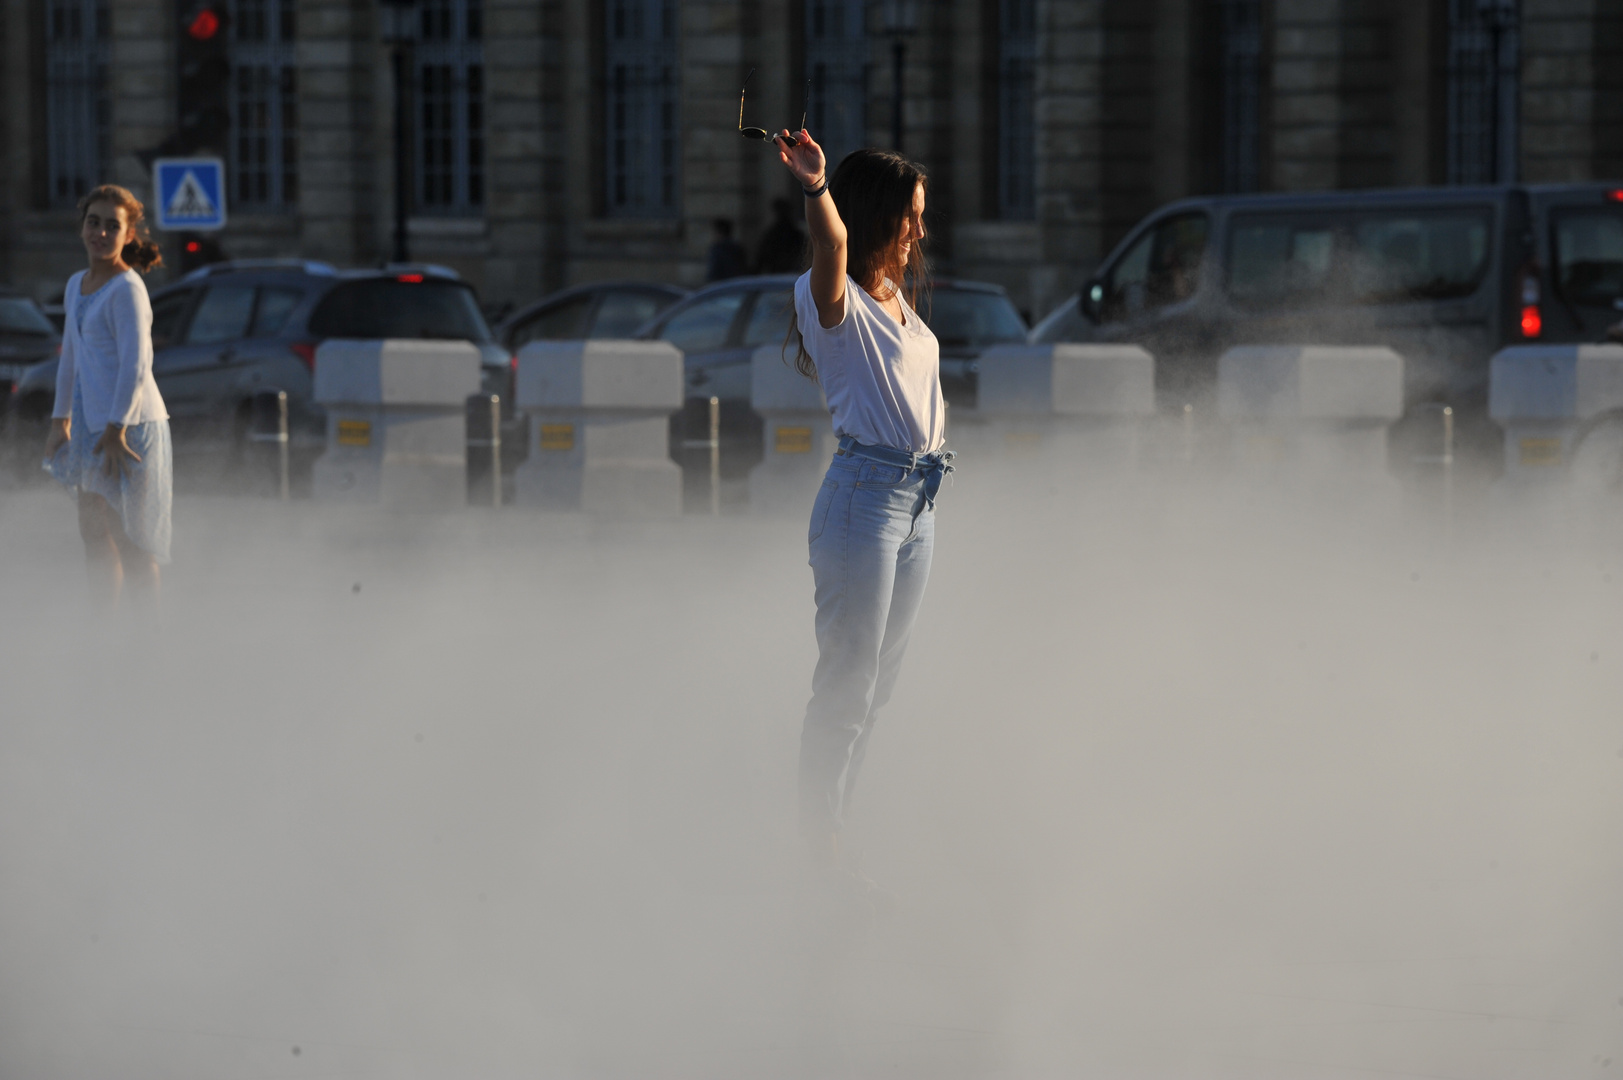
(109, 437)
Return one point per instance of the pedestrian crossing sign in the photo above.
(191, 193)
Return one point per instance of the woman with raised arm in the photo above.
(109, 436)
(873, 524)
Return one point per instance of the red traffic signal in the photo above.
(204, 25)
(193, 247)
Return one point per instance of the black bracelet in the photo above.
(812, 193)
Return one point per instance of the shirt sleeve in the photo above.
(67, 363)
(131, 315)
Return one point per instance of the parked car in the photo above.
(967, 318)
(607, 309)
(1444, 276)
(228, 330)
(27, 336)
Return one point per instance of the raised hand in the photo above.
(803, 157)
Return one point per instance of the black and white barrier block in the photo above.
(394, 421)
(797, 435)
(1314, 414)
(600, 415)
(1086, 402)
(1557, 404)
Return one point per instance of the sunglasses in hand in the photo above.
(761, 133)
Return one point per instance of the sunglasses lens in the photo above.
(754, 133)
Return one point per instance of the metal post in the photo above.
(484, 413)
(1188, 434)
(715, 455)
(402, 159)
(268, 434)
(1448, 470)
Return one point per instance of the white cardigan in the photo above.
(112, 357)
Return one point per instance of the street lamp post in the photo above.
(397, 26)
(901, 21)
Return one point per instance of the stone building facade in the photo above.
(560, 141)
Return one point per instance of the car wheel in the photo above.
(1597, 459)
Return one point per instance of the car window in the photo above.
(966, 317)
(560, 322)
(391, 308)
(275, 305)
(704, 325)
(19, 315)
(1589, 257)
(622, 313)
(166, 312)
(769, 321)
(1358, 258)
(222, 315)
(1161, 268)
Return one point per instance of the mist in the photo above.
(1183, 778)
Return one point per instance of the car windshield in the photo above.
(1377, 257)
(390, 308)
(970, 317)
(21, 316)
(1589, 257)
(1064, 323)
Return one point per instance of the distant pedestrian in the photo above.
(873, 524)
(109, 436)
(782, 248)
(727, 256)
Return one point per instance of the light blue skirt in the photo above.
(143, 495)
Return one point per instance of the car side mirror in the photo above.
(1092, 300)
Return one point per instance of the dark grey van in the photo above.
(1445, 276)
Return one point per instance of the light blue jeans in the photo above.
(871, 537)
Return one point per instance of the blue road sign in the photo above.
(191, 193)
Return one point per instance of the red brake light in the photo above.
(193, 247)
(1532, 321)
(205, 25)
(305, 351)
(1615, 195)
(414, 279)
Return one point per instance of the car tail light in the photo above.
(1532, 321)
(410, 279)
(1615, 195)
(1532, 317)
(306, 352)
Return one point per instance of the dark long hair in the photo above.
(142, 251)
(873, 191)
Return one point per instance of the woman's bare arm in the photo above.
(805, 159)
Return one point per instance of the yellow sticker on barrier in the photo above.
(557, 436)
(354, 433)
(1540, 450)
(793, 440)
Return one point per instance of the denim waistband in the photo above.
(934, 466)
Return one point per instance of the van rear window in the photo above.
(1385, 257)
(1589, 256)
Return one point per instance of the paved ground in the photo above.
(1178, 784)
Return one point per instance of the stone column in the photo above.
(142, 86)
(340, 203)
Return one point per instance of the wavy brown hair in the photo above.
(873, 192)
(142, 251)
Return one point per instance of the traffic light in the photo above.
(199, 249)
(205, 79)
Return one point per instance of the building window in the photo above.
(1240, 42)
(450, 130)
(837, 66)
(78, 129)
(1484, 90)
(640, 76)
(1017, 108)
(264, 104)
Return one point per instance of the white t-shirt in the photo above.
(107, 348)
(882, 380)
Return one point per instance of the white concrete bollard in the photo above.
(1542, 395)
(395, 421)
(797, 434)
(600, 426)
(1311, 413)
(1086, 403)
